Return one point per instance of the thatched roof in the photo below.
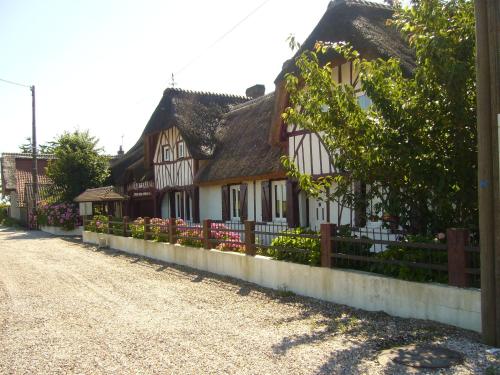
(364, 25)
(101, 194)
(124, 165)
(243, 150)
(197, 116)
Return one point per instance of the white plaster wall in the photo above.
(210, 202)
(258, 202)
(455, 306)
(57, 231)
(15, 211)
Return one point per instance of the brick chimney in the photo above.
(256, 91)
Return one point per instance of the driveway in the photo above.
(70, 308)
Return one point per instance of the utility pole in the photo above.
(487, 14)
(33, 148)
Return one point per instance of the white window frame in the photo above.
(181, 149)
(167, 156)
(279, 204)
(234, 202)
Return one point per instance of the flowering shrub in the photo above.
(98, 223)
(63, 215)
(159, 228)
(233, 237)
(187, 235)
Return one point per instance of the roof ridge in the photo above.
(251, 102)
(27, 155)
(206, 93)
(368, 3)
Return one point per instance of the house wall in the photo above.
(311, 157)
(175, 173)
(15, 211)
(211, 201)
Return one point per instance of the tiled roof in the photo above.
(23, 178)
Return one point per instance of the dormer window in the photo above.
(180, 149)
(167, 153)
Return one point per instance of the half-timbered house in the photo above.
(245, 180)
(363, 24)
(158, 172)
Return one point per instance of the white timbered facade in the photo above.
(309, 154)
(174, 169)
(173, 165)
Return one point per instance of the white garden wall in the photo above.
(455, 306)
(58, 231)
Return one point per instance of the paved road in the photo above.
(69, 308)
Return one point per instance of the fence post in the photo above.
(250, 238)
(146, 228)
(110, 225)
(456, 240)
(125, 226)
(171, 230)
(327, 245)
(207, 223)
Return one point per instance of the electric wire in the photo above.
(193, 60)
(14, 83)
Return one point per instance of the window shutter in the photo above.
(172, 203)
(225, 202)
(292, 203)
(243, 202)
(360, 204)
(267, 214)
(183, 214)
(195, 197)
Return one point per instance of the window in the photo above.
(180, 149)
(235, 202)
(167, 153)
(364, 101)
(279, 200)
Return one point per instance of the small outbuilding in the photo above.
(102, 200)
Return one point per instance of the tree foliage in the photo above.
(416, 144)
(46, 148)
(78, 165)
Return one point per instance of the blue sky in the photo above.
(103, 65)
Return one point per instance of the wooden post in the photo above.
(146, 228)
(171, 230)
(125, 226)
(206, 234)
(110, 224)
(250, 238)
(487, 14)
(456, 240)
(327, 245)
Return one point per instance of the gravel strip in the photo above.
(70, 308)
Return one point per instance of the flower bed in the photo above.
(63, 215)
(185, 234)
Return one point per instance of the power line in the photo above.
(193, 60)
(14, 83)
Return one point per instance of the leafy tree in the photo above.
(415, 146)
(46, 148)
(78, 165)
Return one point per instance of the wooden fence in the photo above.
(455, 262)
